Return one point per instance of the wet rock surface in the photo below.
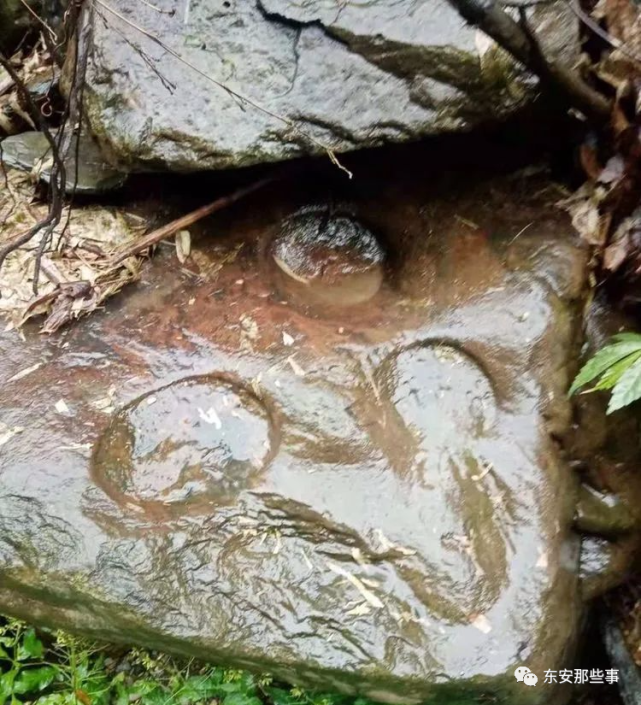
(327, 260)
(93, 176)
(629, 672)
(199, 439)
(607, 452)
(369, 498)
(348, 74)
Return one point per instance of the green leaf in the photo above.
(280, 696)
(144, 687)
(57, 699)
(122, 695)
(241, 699)
(6, 685)
(627, 389)
(611, 376)
(200, 688)
(627, 337)
(30, 646)
(34, 680)
(604, 359)
(156, 697)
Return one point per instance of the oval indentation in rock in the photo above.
(325, 259)
(439, 393)
(203, 439)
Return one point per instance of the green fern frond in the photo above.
(617, 367)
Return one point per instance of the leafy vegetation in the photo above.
(60, 669)
(617, 367)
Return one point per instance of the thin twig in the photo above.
(75, 106)
(490, 18)
(39, 19)
(169, 85)
(292, 125)
(590, 23)
(57, 180)
(171, 13)
(185, 221)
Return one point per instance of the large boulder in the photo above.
(339, 75)
(363, 492)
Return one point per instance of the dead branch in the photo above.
(57, 181)
(489, 17)
(58, 145)
(74, 110)
(185, 221)
(600, 32)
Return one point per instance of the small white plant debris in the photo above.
(487, 467)
(151, 400)
(183, 245)
(446, 355)
(387, 545)
(297, 369)
(359, 558)
(7, 433)
(361, 610)
(191, 302)
(77, 446)
(62, 408)
(105, 405)
(256, 385)
(404, 550)
(310, 565)
(371, 598)
(279, 544)
(211, 417)
(407, 617)
(287, 339)
(25, 372)
(542, 562)
(249, 327)
(371, 583)
(461, 219)
(482, 623)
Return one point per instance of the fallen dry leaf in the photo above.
(183, 245)
(61, 407)
(482, 623)
(371, 598)
(78, 272)
(6, 433)
(297, 369)
(25, 372)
